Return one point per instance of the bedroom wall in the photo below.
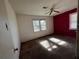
(61, 24)
(26, 27)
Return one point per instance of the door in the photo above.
(9, 39)
(6, 44)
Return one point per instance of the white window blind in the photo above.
(36, 25)
(43, 24)
(39, 25)
(73, 21)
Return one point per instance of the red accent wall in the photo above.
(61, 24)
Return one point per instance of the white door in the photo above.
(9, 46)
(6, 44)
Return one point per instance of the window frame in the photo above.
(39, 24)
(33, 25)
(70, 21)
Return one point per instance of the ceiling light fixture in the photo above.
(45, 7)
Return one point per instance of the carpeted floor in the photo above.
(49, 47)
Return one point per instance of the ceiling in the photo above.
(34, 7)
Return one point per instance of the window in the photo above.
(43, 24)
(73, 21)
(39, 25)
(36, 25)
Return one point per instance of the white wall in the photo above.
(77, 37)
(26, 27)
